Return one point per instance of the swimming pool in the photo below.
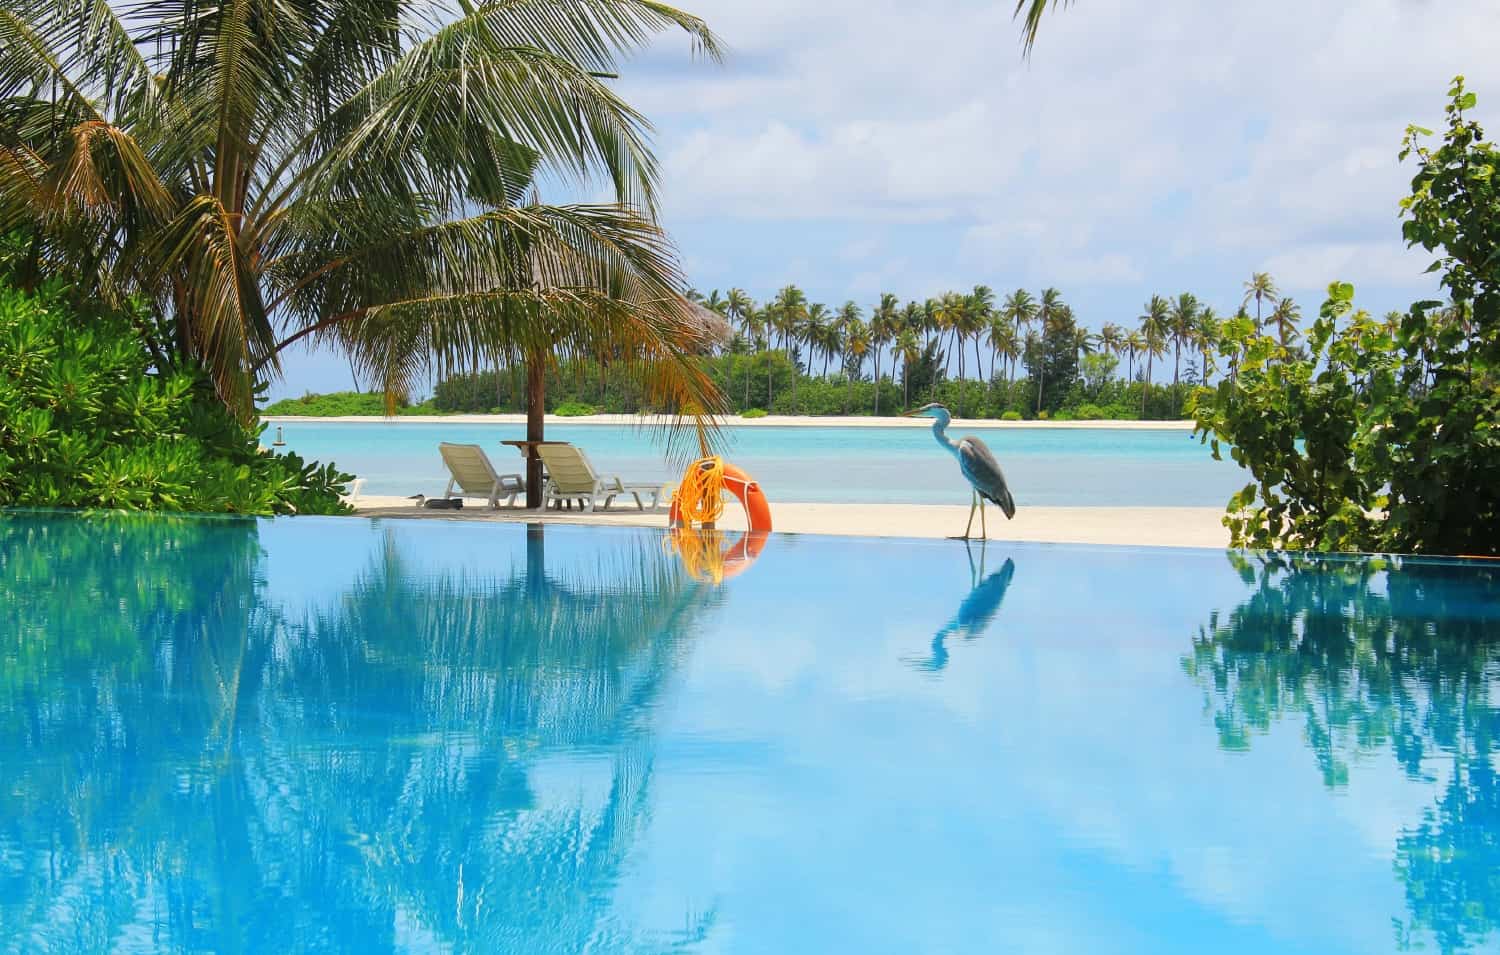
(339, 734)
(1051, 467)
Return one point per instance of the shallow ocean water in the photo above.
(1045, 467)
(350, 735)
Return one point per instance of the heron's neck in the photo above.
(940, 432)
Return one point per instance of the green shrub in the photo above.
(1085, 412)
(1011, 416)
(753, 413)
(1379, 435)
(345, 404)
(574, 409)
(86, 420)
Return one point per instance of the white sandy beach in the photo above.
(734, 421)
(1140, 526)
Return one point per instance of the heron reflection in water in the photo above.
(975, 613)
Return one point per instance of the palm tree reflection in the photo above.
(975, 613)
(1373, 656)
(368, 771)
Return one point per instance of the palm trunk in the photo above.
(1146, 385)
(536, 409)
(1176, 363)
(877, 381)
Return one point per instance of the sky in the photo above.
(854, 147)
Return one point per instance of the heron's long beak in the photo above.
(913, 414)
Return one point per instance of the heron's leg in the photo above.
(984, 531)
(970, 526)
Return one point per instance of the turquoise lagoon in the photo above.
(351, 735)
(1045, 466)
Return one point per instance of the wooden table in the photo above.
(528, 451)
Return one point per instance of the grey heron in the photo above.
(978, 465)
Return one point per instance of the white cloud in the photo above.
(1157, 131)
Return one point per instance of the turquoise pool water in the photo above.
(342, 735)
(1047, 467)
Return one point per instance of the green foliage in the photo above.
(86, 420)
(1381, 436)
(764, 380)
(753, 413)
(575, 409)
(1011, 416)
(344, 404)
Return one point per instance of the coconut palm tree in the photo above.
(884, 322)
(791, 318)
(1156, 326)
(1284, 317)
(1206, 334)
(1049, 311)
(856, 346)
(268, 174)
(1260, 288)
(1183, 321)
(1134, 345)
(1004, 343)
(1112, 338)
(813, 332)
(1019, 308)
(909, 347)
(978, 310)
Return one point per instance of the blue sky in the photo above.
(861, 146)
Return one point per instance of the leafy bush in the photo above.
(1382, 435)
(574, 409)
(87, 421)
(344, 404)
(1011, 416)
(753, 413)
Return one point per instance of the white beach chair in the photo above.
(471, 471)
(572, 477)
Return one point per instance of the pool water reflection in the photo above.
(429, 736)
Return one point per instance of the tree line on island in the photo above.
(1020, 355)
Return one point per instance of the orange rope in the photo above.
(700, 497)
(701, 555)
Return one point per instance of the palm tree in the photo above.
(931, 327)
(1112, 338)
(815, 333)
(1019, 309)
(1004, 343)
(1181, 325)
(1134, 345)
(791, 318)
(1261, 289)
(979, 309)
(265, 174)
(856, 346)
(740, 308)
(1156, 325)
(1206, 334)
(1048, 312)
(910, 349)
(1284, 316)
(884, 321)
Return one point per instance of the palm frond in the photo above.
(1030, 13)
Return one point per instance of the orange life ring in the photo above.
(700, 554)
(751, 497)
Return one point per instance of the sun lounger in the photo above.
(471, 471)
(572, 477)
